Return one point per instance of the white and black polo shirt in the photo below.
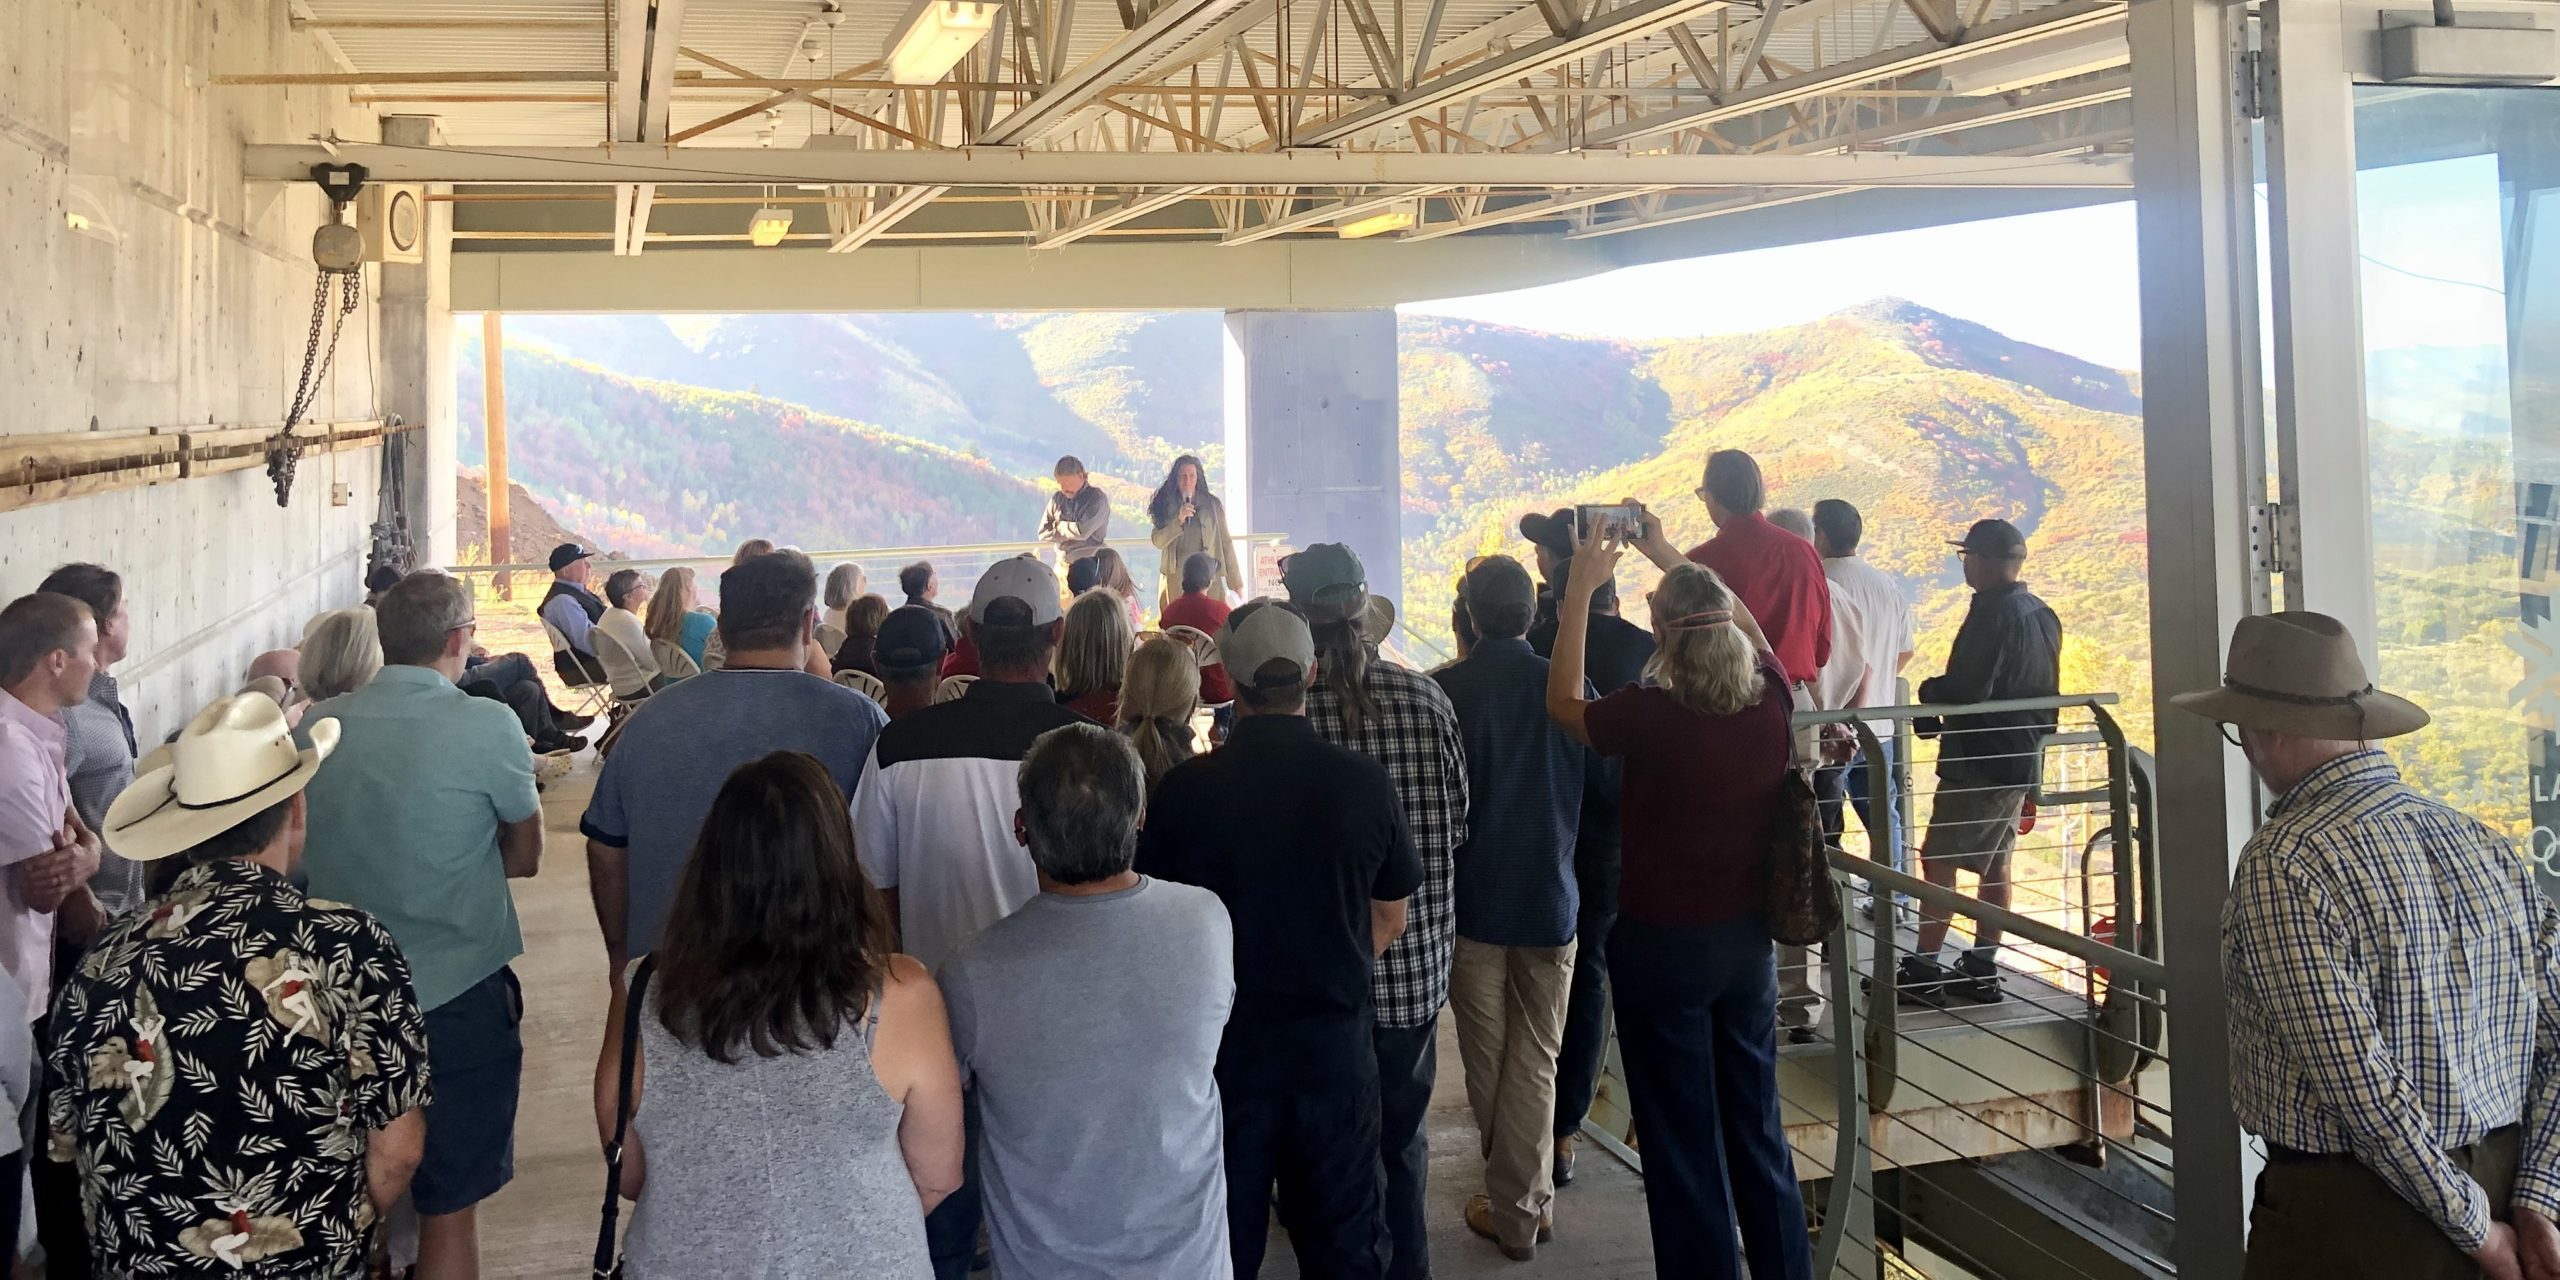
(933, 816)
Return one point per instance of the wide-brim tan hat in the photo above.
(236, 759)
(2298, 673)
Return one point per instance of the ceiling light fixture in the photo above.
(767, 228)
(936, 36)
(1393, 218)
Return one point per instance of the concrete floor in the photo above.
(543, 1225)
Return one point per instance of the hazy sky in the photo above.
(2067, 280)
(2064, 280)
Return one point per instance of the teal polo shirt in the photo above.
(404, 822)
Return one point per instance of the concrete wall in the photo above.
(1312, 443)
(185, 301)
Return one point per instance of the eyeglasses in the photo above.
(2231, 736)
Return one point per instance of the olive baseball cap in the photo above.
(1327, 581)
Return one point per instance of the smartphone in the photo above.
(1627, 517)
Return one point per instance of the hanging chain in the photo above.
(285, 450)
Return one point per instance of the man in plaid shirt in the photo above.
(2394, 980)
(1400, 718)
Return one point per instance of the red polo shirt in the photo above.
(1779, 577)
(1200, 611)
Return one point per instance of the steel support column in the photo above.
(2196, 234)
(2319, 334)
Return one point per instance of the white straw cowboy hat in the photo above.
(2298, 673)
(233, 761)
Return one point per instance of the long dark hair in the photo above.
(777, 939)
(1342, 656)
(1167, 502)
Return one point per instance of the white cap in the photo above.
(1019, 578)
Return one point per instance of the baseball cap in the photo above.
(911, 636)
(1552, 531)
(1260, 634)
(1018, 578)
(1495, 581)
(1327, 581)
(568, 553)
(1993, 538)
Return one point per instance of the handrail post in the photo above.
(1849, 1213)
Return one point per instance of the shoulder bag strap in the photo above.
(606, 1263)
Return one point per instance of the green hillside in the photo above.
(1914, 417)
(703, 469)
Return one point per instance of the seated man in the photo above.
(573, 611)
(1061, 1047)
(621, 639)
(292, 1079)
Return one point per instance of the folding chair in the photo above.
(595, 695)
(864, 683)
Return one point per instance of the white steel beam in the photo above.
(629, 66)
(883, 216)
(1132, 206)
(1172, 25)
(1695, 212)
(631, 204)
(1565, 202)
(2002, 110)
(658, 88)
(2032, 25)
(1627, 22)
(991, 167)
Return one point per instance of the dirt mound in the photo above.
(532, 530)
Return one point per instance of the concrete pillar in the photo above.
(1312, 418)
(417, 365)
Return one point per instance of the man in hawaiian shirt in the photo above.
(240, 1070)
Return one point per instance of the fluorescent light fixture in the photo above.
(768, 226)
(1392, 218)
(2039, 62)
(936, 37)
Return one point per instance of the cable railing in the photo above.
(957, 564)
(2024, 1136)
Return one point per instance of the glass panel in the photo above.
(2456, 201)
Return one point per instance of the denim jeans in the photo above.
(1697, 1031)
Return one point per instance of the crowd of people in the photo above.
(1026, 925)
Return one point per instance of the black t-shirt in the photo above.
(1297, 836)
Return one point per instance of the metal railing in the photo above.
(2023, 1137)
(958, 564)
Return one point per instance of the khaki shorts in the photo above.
(1973, 827)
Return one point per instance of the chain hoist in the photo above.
(339, 250)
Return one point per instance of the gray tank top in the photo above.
(774, 1167)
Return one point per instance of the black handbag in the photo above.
(1802, 906)
(608, 1262)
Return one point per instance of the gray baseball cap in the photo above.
(1018, 578)
(1263, 633)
